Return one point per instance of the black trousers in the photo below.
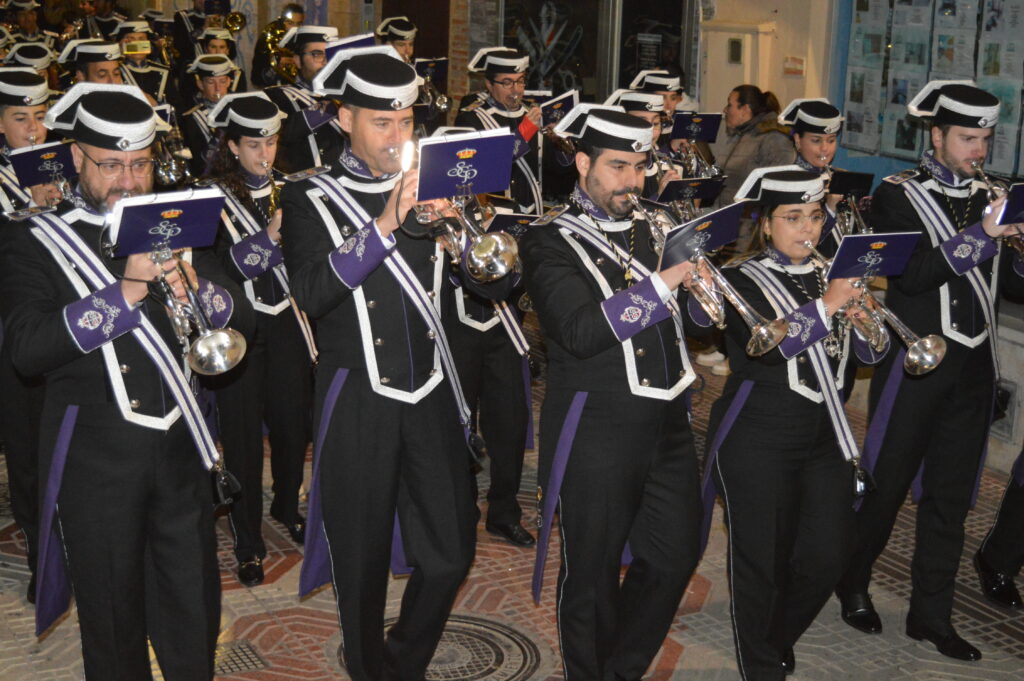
(788, 496)
(21, 403)
(136, 517)
(491, 372)
(272, 385)
(941, 419)
(381, 456)
(1003, 547)
(631, 476)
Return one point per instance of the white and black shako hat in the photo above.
(656, 80)
(216, 33)
(782, 185)
(249, 114)
(126, 27)
(35, 55)
(115, 117)
(956, 102)
(495, 60)
(152, 15)
(209, 65)
(369, 77)
(297, 36)
(21, 5)
(812, 116)
(633, 100)
(89, 50)
(396, 28)
(606, 127)
(22, 87)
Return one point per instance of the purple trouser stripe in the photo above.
(708, 490)
(529, 402)
(53, 591)
(879, 424)
(316, 566)
(399, 563)
(565, 440)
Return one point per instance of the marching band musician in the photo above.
(35, 56)
(306, 139)
(389, 436)
(938, 423)
(128, 502)
(670, 88)
(222, 41)
(23, 102)
(624, 468)
(648, 106)
(95, 61)
(263, 75)
(789, 499)
(501, 105)
(152, 78)
(27, 21)
(1001, 555)
(188, 24)
(400, 33)
(273, 383)
(106, 19)
(214, 75)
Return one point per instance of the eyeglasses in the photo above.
(316, 54)
(509, 82)
(112, 169)
(797, 219)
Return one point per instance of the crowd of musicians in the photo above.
(369, 334)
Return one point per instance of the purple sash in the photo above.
(527, 380)
(708, 489)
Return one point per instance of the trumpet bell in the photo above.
(492, 256)
(764, 337)
(924, 355)
(217, 351)
(235, 22)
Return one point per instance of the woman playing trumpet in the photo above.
(788, 500)
(272, 385)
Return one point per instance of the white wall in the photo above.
(802, 29)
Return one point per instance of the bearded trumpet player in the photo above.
(937, 423)
(123, 447)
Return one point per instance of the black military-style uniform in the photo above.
(188, 24)
(391, 438)
(1003, 546)
(485, 114)
(135, 506)
(301, 147)
(617, 372)
(154, 79)
(939, 420)
(195, 128)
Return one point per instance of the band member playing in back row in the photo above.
(389, 438)
(273, 383)
(937, 424)
(214, 75)
(123, 448)
(616, 450)
(400, 33)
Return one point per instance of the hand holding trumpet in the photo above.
(140, 269)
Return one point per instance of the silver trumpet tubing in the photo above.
(214, 351)
(923, 353)
(849, 218)
(662, 165)
(491, 255)
(659, 221)
(695, 164)
(994, 188)
(765, 334)
(434, 98)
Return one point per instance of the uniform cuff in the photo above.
(968, 248)
(216, 302)
(527, 129)
(256, 254)
(100, 317)
(808, 324)
(361, 254)
(634, 309)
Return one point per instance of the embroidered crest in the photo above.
(962, 251)
(649, 306)
(348, 245)
(218, 303)
(975, 245)
(91, 320)
(631, 315)
(252, 260)
(801, 325)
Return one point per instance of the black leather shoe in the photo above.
(859, 613)
(949, 644)
(788, 661)
(296, 530)
(513, 532)
(30, 595)
(997, 586)
(250, 572)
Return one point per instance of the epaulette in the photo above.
(307, 173)
(550, 216)
(901, 177)
(473, 106)
(772, 125)
(189, 112)
(51, 34)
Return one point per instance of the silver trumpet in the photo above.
(434, 98)
(923, 353)
(659, 221)
(490, 256)
(214, 351)
(993, 188)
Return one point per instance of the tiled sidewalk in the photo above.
(498, 634)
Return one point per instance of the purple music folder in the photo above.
(706, 189)
(1012, 210)
(465, 163)
(434, 69)
(707, 233)
(554, 109)
(700, 127)
(872, 255)
(185, 219)
(513, 223)
(347, 43)
(43, 163)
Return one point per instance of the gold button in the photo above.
(125, 368)
(640, 352)
(378, 341)
(135, 404)
(385, 380)
(644, 381)
(371, 304)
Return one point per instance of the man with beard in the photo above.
(127, 504)
(616, 450)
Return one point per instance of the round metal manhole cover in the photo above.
(476, 649)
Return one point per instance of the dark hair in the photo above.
(759, 102)
(225, 169)
(590, 150)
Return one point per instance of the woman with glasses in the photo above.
(775, 453)
(272, 385)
